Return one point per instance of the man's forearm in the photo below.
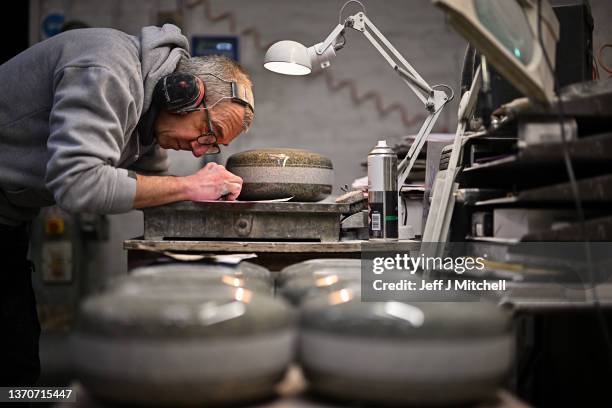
(159, 190)
(212, 182)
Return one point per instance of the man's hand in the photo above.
(213, 182)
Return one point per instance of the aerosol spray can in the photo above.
(382, 192)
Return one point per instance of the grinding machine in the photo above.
(280, 201)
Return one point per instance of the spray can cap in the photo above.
(382, 148)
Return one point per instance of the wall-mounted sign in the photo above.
(215, 45)
(52, 24)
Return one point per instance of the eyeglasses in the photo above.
(239, 95)
(209, 138)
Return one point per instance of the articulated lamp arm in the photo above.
(360, 22)
(433, 100)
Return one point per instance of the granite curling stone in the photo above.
(403, 353)
(344, 267)
(245, 275)
(324, 280)
(179, 346)
(281, 173)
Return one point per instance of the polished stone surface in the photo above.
(300, 289)
(174, 344)
(176, 310)
(404, 353)
(246, 275)
(462, 316)
(341, 266)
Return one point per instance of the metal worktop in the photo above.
(274, 255)
(241, 246)
(245, 220)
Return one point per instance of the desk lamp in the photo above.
(293, 58)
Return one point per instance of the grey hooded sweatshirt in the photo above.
(70, 108)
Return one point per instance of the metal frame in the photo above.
(438, 221)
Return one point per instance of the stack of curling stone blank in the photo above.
(182, 335)
(310, 278)
(417, 353)
(247, 275)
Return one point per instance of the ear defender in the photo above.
(179, 92)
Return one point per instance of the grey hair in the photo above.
(222, 67)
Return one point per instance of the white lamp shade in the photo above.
(288, 57)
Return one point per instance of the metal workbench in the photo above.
(240, 220)
(274, 255)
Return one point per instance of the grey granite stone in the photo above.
(461, 317)
(246, 275)
(311, 266)
(404, 353)
(177, 310)
(279, 173)
(299, 289)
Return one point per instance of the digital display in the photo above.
(507, 21)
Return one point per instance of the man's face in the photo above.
(180, 131)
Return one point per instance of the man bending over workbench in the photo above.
(85, 117)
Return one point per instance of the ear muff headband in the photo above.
(178, 92)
